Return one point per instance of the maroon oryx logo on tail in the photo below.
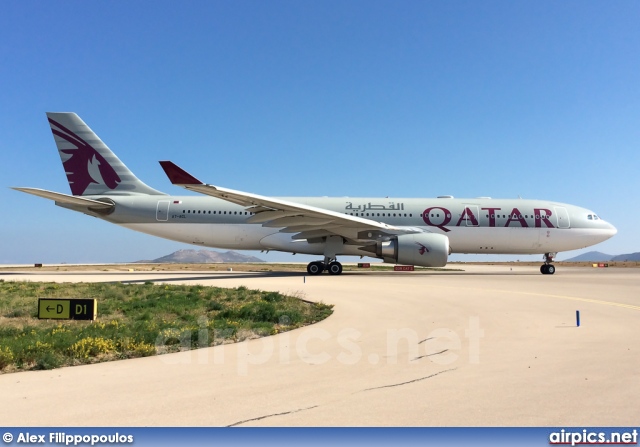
(86, 165)
(422, 250)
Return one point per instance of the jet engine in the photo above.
(424, 249)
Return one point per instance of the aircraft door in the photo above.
(563, 217)
(162, 211)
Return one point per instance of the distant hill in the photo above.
(628, 257)
(592, 256)
(596, 256)
(204, 257)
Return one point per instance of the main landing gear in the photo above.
(547, 268)
(331, 265)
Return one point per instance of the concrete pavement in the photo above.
(491, 346)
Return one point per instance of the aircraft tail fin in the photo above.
(91, 167)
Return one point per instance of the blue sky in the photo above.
(361, 98)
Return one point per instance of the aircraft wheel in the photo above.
(315, 268)
(335, 268)
(551, 269)
(543, 269)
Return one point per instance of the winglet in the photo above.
(177, 175)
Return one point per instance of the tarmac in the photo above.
(490, 346)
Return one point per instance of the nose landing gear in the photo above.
(547, 268)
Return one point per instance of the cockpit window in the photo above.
(590, 217)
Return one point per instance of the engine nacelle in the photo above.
(423, 249)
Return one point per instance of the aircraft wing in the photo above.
(306, 221)
(66, 199)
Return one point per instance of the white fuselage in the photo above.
(499, 226)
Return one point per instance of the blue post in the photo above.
(578, 318)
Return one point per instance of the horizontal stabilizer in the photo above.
(67, 199)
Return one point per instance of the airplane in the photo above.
(412, 231)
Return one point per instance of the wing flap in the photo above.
(297, 228)
(266, 216)
(297, 221)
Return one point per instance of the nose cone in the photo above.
(611, 230)
(605, 230)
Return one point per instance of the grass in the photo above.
(137, 320)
